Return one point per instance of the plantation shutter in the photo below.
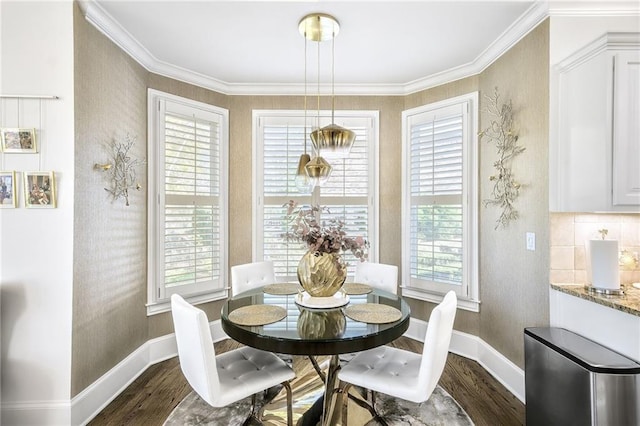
(191, 244)
(436, 197)
(283, 144)
(346, 193)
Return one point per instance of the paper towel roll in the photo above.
(603, 264)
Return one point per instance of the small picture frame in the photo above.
(8, 199)
(18, 140)
(39, 190)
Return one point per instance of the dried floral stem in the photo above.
(500, 131)
(122, 170)
(325, 236)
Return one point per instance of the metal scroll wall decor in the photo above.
(121, 169)
(501, 133)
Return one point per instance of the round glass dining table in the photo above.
(312, 331)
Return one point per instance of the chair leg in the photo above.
(287, 386)
(376, 416)
(258, 415)
(345, 403)
(255, 415)
(369, 404)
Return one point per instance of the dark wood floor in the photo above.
(151, 397)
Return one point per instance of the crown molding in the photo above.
(594, 8)
(539, 11)
(612, 40)
(512, 35)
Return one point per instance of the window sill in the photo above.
(465, 304)
(162, 306)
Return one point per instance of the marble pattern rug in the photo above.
(439, 410)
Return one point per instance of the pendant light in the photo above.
(332, 141)
(303, 182)
(317, 27)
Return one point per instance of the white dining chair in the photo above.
(251, 275)
(399, 373)
(231, 376)
(378, 275)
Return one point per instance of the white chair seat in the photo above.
(246, 371)
(229, 377)
(388, 370)
(401, 373)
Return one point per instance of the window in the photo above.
(187, 200)
(440, 201)
(350, 193)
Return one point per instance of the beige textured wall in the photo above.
(110, 261)
(110, 268)
(514, 282)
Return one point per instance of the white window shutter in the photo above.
(187, 217)
(347, 193)
(440, 200)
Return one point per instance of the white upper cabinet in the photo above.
(595, 152)
(626, 129)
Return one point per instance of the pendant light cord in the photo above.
(304, 135)
(333, 74)
(318, 119)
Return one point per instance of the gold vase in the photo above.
(321, 274)
(321, 324)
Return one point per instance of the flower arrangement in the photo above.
(321, 236)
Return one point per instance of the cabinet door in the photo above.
(626, 129)
(584, 141)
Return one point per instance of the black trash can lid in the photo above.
(587, 353)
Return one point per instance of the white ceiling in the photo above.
(254, 47)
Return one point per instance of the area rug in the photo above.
(440, 410)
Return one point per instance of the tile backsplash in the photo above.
(569, 233)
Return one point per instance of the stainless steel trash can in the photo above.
(571, 380)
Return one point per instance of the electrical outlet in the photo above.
(531, 241)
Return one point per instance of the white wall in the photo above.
(36, 245)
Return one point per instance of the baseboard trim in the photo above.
(88, 403)
(33, 413)
(469, 346)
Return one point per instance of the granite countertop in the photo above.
(629, 302)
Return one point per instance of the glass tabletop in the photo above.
(307, 331)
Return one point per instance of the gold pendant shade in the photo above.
(318, 170)
(303, 181)
(333, 140)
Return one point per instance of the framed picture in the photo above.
(18, 140)
(39, 189)
(8, 199)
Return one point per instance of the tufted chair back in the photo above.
(251, 275)
(436, 343)
(195, 349)
(378, 275)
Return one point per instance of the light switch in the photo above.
(531, 241)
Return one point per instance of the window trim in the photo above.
(470, 301)
(373, 201)
(155, 305)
